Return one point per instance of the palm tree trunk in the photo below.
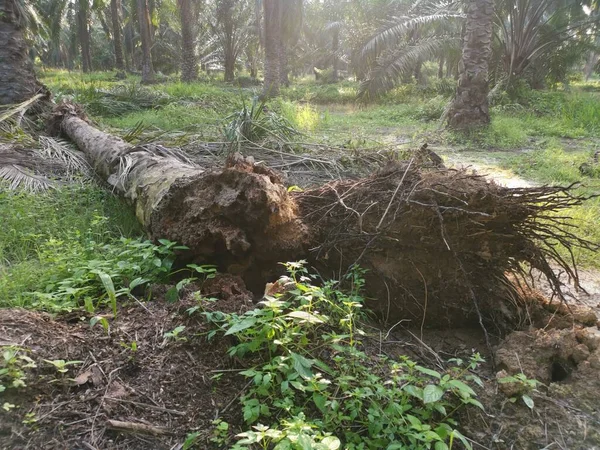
(470, 107)
(335, 46)
(284, 79)
(83, 32)
(145, 36)
(115, 9)
(17, 78)
(272, 20)
(189, 59)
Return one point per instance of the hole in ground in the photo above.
(561, 370)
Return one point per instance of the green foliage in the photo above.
(101, 272)
(523, 387)
(255, 122)
(315, 387)
(13, 367)
(65, 249)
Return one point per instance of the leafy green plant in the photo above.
(255, 122)
(61, 365)
(103, 272)
(198, 273)
(175, 334)
(13, 365)
(523, 386)
(313, 385)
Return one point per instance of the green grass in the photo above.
(40, 232)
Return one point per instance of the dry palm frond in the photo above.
(20, 177)
(63, 152)
(37, 170)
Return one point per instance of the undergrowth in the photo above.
(315, 384)
(45, 235)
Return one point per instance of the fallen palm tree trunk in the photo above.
(440, 245)
(240, 217)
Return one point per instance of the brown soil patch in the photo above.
(170, 384)
(166, 383)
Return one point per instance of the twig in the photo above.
(147, 406)
(395, 193)
(133, 427)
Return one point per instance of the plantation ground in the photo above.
(181, 383)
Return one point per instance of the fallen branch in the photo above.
(133, 427)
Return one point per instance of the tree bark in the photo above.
(272, 23)
(284, 79)
(470, 107)
(17, 77)
(335, 46)
(83, 31)
(189, 59)
(146, 38)
(115, 11)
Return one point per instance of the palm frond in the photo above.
(63, 152)
(19, 177)
(391, 66)
(399, 26)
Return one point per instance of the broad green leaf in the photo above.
(110, 289)
(242, 325)
(172, 295)
(426, 371)
(432, 393)
(439, 445)
(302, 365)
(331, 443)
(320, 401)
(528, 401)
(304, 316)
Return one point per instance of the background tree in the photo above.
(17, 77)
(470, 106)
(146, 40)
(115, 11)
(83, 34)
(188, 12)
(272, 44)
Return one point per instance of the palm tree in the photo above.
(83, 34)
(188, 12)
(539, 37)
(146, 38)
(272, 37)
(425, 30)
(470, 106)
(17, 78)
(115, 12)
(291, 30)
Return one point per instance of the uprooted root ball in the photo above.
(442, 247)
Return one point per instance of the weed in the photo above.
(13, 365)
(255, 122)
(175, 334)
(523, 387)
(314, 386)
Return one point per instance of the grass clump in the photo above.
(44, 235)
(307, 350)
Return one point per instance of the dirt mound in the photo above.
(140, 371)
(566, 413)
